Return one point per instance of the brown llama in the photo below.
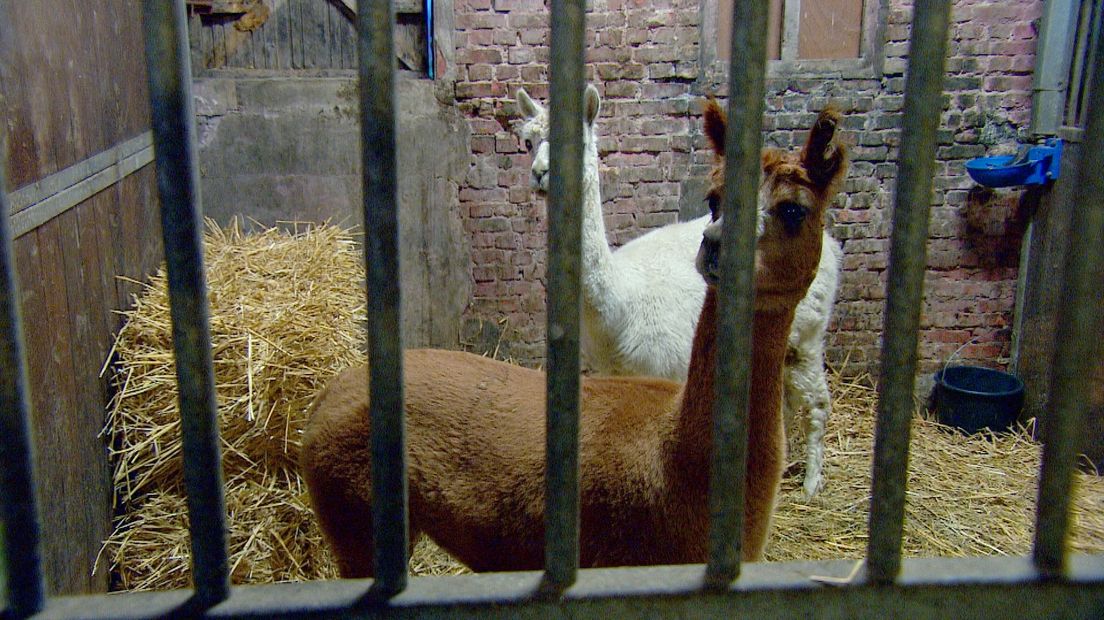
(476, 427)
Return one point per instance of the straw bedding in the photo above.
(286, 315)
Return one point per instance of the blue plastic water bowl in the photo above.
(1042, 166)
(972, 398)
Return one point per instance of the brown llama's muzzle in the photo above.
(708, 260)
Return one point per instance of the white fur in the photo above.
(641, 303)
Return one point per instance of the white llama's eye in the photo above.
(528, 145)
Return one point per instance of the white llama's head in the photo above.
(534, 135)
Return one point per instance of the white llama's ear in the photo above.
(529, 108)
(592, 103)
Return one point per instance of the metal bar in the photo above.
(169, 68)
(907, 259)
(561, 529)
(20, 546)
(1076, 340)
(735, 294)
(376, 62)
(1001, 587)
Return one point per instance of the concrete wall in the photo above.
(286, 148)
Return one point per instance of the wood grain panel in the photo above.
(724, 29)
(68, 65)
(75, 85)
(22, 149)
(297, 35)
(830, 29)
(90, 510)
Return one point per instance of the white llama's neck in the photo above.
(598, 276)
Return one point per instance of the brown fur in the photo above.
(476, 437)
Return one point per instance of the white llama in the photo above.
(641, 303)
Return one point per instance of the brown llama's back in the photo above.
(476, 446)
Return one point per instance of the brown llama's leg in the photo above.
(347, 525)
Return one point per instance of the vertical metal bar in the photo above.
(907, 259)
(561, 529)
(376, 62)
(20, 548)
(1076, 339)
(743, 143)
(169, 66)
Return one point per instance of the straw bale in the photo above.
(287, 313)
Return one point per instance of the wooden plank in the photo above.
(61, 490)
(128, 77)
(67, 529)
(42, 212)
(83, 72)
(43, 408)
(43, 85)
(96, 253)
(46, 187)
(724, 29)
(317, 15)
(334, 21)
(102, 44)
(348, 49)
(39, 202)
(774, 25)
(22, 157)
(91, 511)
(791, 29)
(830, 29)
(128, 231)
(150, 243)
(401, 6)
(283, 23)
(298, 27)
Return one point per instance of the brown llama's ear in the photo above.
(824, 157)
(715, 123)
(771, 158)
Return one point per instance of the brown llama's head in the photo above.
(794, 191)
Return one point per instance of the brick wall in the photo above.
(644, 58)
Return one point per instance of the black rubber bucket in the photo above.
(973, 398)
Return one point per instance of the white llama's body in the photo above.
(643, 322)
(641, 303)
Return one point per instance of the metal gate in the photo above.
(1051, 583)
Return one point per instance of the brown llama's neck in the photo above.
(765, 431)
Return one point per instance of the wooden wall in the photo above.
(74, 85)
(295, 35)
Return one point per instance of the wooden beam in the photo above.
(401, 6)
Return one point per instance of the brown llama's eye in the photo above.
(792, 216)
